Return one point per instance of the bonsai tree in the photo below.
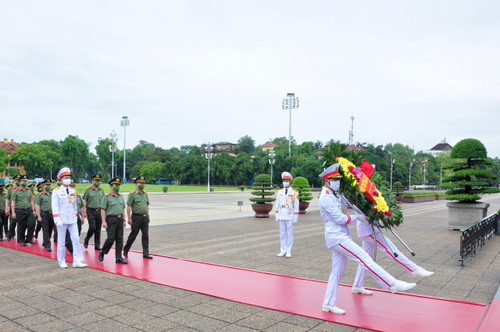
(302, 186)
(398, 188)
(262, 187)
(469, 177)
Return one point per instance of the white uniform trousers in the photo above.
(382, 245)
(75, 240)
(286, 236)
(340, 254)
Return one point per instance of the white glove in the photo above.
(361, 217)
(295, 221)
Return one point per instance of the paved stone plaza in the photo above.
(36, 295)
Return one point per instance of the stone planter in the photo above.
(303, 205)
(461, 215)
(440, 197)
(165, 190)
(417, 199)
(262, 210)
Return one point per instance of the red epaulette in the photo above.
(327, 192)
(89, 187)
(107, 194)
(16, 189)
(132, 192)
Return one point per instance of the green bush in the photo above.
(468, 178)
(262, 187)
(398, 188)
(302, 186)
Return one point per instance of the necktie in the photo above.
(286, 191)
(67, 190)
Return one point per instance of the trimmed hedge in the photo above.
(262, 187)
(302, 186)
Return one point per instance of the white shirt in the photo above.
(335, 220)
(287, 206)
(64, 206)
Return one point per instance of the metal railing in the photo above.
(475, 236)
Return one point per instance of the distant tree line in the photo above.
(188, 163)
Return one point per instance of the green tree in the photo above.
(4, 160)
(246, 144)
(104, 156)
(34, 158)
(75, 154)
(152, 171)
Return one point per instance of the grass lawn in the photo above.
(128, 187)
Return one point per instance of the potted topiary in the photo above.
(242, 188)
(165, 189)
(466, 182)
(302, 186)
(397, 190)
(262, 187)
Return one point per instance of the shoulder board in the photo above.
(107, 194)
(16, 189)
(132, 192)
(89, 187)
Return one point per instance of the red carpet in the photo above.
(383, 311)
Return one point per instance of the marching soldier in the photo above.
(113, 220)
(6, 208)
(12, 225)
(138, 217)
(32, 219)
(64, 207)
(43, 203)
(38, 227)
(79, 222)
(3, 216)
(22, 211)
(287, 213)
(92, 199)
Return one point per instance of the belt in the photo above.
(50, 212)
(93, 209)
(115, 216)
(283, 206)
(139, 215)
(2, 211)
(25, 209)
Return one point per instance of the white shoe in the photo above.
(361, 290)
(288, 255)
(421, 272)
(402, 286)
(63, 265)
(334, 309)
(79, 264)
(281, 254)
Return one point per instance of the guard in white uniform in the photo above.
(64, 210)
(365, 232)
(287, 213)
(338, 238)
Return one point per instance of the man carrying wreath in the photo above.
(338, 239)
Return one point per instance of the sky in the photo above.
(192, 72)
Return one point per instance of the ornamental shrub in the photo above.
(398, 188)
(262, 187)
(469, 177)
(302, 186)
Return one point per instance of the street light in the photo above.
(392, 163)
(209, 156)
(272, 155)
(290, 102)
(112, 148)
(125, 122)
(425, 163)
(409, 181)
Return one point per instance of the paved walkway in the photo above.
(36, 295)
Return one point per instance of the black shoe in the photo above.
(147, 256)
(8, 238)
(23, 244)
(125, 253)
(98, 248)
(85, 243)
(101, 256)
(31, 242)
(36, 237)
(48, 249)
(121, 261)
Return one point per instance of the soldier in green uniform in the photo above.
(92, 199)
(38, 227)
(114, 221)
(3, 216)
(79, 220)
(22, 210)
(12, 225)
(138, 217)
(32, 218)
(43, 204)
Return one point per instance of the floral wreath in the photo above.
(363, 187)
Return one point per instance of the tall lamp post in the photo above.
(272, 155)
(125, 122)
(392, 163)
(409, 177)
(289, 103)
(209, 156)
(425, 163)
(112, 148)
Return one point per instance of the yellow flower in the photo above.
(345, 164)
(381, 203)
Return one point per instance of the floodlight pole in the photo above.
(125, 122)
(209, 156)
(289, 103)
(272, 155)
(112, 148)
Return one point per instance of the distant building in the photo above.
(439, 148)
(268, 146)
(230, 148)
(11, 147)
